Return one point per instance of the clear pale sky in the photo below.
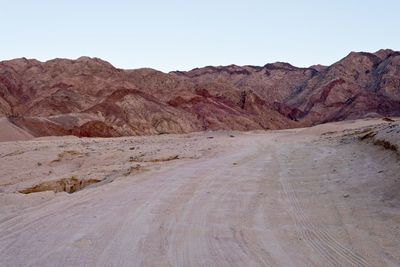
(180, 35)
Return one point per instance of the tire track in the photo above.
(328, 247)
(227, 244)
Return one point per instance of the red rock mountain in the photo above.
(90, 97)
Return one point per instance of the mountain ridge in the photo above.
(91, 97)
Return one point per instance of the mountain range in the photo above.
(90, 97)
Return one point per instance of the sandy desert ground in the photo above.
(321, 196)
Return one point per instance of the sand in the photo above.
(10, 132)
(306, 197)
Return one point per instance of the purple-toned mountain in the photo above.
(89, 97)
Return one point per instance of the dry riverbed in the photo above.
(322, 196)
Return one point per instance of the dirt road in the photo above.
(287, 198)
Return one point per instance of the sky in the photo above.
(183, 34)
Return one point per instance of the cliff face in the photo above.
(89, 97)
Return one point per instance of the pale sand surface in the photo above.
(10, 132)
(303, 197)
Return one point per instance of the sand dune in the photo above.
(10, 132)
(323, 196)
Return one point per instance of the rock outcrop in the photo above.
(90, 97)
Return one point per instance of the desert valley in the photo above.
(269, 165)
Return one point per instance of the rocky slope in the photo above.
(90, 97)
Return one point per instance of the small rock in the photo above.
(346, 195)
(387, 119)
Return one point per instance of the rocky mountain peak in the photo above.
(90, 97)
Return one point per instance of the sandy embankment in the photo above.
(10, 132)
(322, 196)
